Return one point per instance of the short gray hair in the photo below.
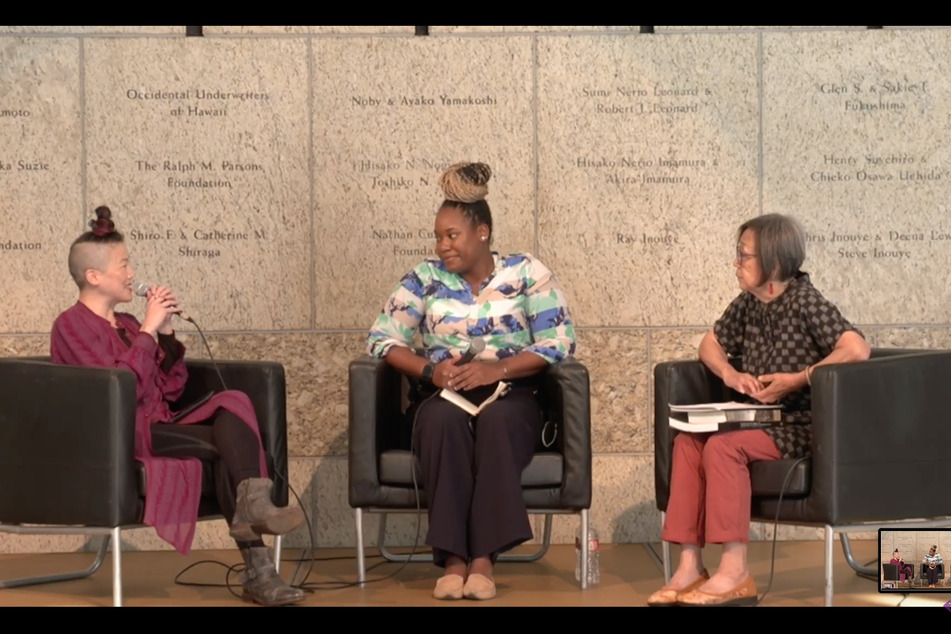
(780, 244)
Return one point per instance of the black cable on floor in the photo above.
(772, 563)
(318, 585)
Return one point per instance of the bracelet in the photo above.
(808, 372)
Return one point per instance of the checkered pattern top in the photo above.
(794, 331)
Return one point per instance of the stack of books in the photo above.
(730, 416)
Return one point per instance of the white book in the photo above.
(468, 406)
(729, 412)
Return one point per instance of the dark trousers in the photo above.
(932, 575)
(472, 475)
(223, 440)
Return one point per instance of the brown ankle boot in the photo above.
(261, 583)
(256, 515)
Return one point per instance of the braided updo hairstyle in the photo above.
(83, 253)
(465, 186)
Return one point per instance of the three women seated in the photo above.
(779, 326)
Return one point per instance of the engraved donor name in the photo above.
(198, 234)
(14, 113)
(390, 183)
(198, 253)
(196, 93)
(383, 165)
(468, 100)
(199, 183)
(139, 234)
(223, 236)
(597, 162)
(10, 245)
(858, 105)
(896, 252)
(664, 239)
(876, 252)
(633, 91)
(887, 86)
(647, 108)
(864, 176)
(197, 111)
(364, 101)
(400, 234)
(368, 165)
(170, 165)
(24, 166)
(866, 97)
(424, 251)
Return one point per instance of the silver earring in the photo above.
(483, 238)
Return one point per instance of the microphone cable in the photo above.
(772, 563)
(204, 341)
(312, 586)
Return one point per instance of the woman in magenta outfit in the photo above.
(904, 570)
(223, 430)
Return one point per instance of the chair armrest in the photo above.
(679, 383)
(876, 418)
(567, 398)
(67, 443)
(264, 383)
(374, 391)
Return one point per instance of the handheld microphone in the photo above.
(476, 346)
(142, 290)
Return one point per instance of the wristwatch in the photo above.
(428, 371)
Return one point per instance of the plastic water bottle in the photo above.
(594, 547)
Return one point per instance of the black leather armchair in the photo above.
(890, 573)
(558, 480)
(67, 439)
(868, 419)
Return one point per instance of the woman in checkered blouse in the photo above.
(782, 328)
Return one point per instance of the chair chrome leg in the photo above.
(387, 555)
(584, 549)
(414, 557)
(278, 545)
(856, 566)
(116, 567)
(63, 576)
(361, 562)
(665, 548)
(538, 554)
(830, 539)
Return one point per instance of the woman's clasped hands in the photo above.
(466, 377)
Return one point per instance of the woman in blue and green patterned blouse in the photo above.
(931, 563)
(471, 470)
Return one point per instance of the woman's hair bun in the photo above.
(466, 182)
(102, 226)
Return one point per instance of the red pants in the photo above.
(710, 486)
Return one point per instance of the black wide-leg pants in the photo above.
(932, 575)
(472, 473)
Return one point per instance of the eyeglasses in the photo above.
(743, 257)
